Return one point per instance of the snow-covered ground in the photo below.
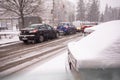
(11, 36)
(7, 40)
(53, 69)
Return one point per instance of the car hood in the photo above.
(100, 47)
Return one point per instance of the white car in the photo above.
(97, 56)
(96, 27)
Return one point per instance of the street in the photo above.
(21, 61)
(54, 68)
(59, 39)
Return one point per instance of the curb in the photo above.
(8, 43)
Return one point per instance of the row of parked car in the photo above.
(41, 32)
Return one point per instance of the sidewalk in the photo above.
(5, 41)
(8, 37)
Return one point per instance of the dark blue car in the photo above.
(67, 28)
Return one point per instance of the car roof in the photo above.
(101, 48)
(36, 24)
(64, 22)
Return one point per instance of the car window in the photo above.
(33, 26)
(49, 27)
(42, 27)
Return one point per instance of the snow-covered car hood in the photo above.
(100, 46)
(102, 25)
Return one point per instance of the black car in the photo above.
(38, 33)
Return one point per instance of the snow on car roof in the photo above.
(100, 47)
(36, 24)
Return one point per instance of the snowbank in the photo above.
(102, 25)
(8, 37)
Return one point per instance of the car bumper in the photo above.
(27, 37)
(61, 33)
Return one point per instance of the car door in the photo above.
(51, 31)
(43, 31)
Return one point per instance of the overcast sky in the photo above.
(113, 3)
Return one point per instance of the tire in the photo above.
(71, 32)
(34, 41)
(25, 41)
(57, 35)
(41, 38)
(74, 31)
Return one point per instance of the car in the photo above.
(67, 28)
(84, 27)
(92, 29)
(78, 25)
(38, 33)
(97, 56)
(78, 29)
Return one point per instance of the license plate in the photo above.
(24, 38)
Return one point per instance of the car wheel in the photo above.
(34, 41)
(41, 38)
(74, 31)
(57, 35)
(70, 65)
(71, 32)
(25, 41)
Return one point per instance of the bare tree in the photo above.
(21, 7)
(119, 15)
(81, 10)
(101, 17)
(93, 13)
(111, 13)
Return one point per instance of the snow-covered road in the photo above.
(52, 69)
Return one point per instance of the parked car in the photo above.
(66, 28)
(84, 27)
(78, 28)
(38, 33)
(97, 56)
(92, 29)
(78, 25)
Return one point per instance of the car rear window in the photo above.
(33, 26)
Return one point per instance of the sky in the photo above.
(112, 3)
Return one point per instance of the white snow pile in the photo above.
(102, 25)
(8, 36)
(101, 48)
(9, 32)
